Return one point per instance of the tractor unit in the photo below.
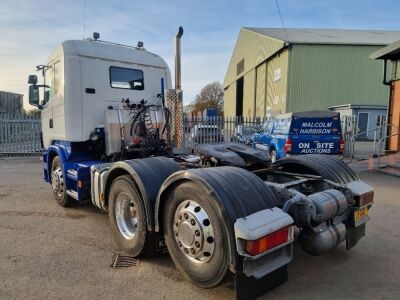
(112, 133)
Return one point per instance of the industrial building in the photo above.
(391, 56)
(275, 70)
(10, 103)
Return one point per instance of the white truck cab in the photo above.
(99, 74)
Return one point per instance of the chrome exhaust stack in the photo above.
(178, 58)
(174, 99)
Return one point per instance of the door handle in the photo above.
(51, 123)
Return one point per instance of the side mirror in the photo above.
(32, 79)
(34, 95)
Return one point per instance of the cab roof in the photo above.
(109, 51)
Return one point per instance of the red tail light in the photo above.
(136, 140)
(365, 199)
(288, 146)
(341, 145)
(269, 241)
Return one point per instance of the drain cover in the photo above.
(123, 260)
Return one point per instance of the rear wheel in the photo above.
(194, 235)
(127, 216)
(58, 183)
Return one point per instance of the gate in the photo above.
(20, 135)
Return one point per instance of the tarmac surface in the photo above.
(50, 252)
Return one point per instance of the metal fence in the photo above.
(218, 129)
(20, 135)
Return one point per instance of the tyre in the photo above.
(272, 155)
(128, 216)
(58, 183)
(194, 235)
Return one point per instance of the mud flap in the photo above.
(353, 235)
(251, 288)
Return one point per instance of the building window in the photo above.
(123, 78)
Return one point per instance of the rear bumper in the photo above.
(336, 155)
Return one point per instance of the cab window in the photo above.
(52, 78)
(49, 81)
(123, 78)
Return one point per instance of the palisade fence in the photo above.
(209, 130)
(20, 135)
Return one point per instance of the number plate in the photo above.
(160, 245)
(359, 215)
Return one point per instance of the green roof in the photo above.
(330, 36)
(391, 51)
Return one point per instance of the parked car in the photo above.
(307, 132)
(243, 133)
(204, 134)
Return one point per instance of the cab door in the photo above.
(53, 127)
(47, 109)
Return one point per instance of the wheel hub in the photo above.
(193, 232)
(57, 181)
(126, 216)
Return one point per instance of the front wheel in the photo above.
(196, 241)
(58, 183)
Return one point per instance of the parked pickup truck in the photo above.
(310, 132)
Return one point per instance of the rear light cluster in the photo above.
(288, 146)
(341, 145)
(364, 199)
(269, 241)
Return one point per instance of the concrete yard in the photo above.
(49, 252)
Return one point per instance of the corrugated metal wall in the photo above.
(230, 101)
(277, 71)
(321, 76)
(10, 103)
(248, 93)
(261, 90)
(254, 48)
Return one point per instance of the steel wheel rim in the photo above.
(193, 232)
(57, 181)
(126, 216)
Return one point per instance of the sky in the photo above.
(29, 30)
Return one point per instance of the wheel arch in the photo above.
(51, 153)
(238, 192)
(316, 164)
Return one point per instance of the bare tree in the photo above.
(210, 96)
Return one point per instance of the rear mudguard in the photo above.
(148, 174)
(238, 193)
(316, 164)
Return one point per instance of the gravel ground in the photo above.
(50, 252)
